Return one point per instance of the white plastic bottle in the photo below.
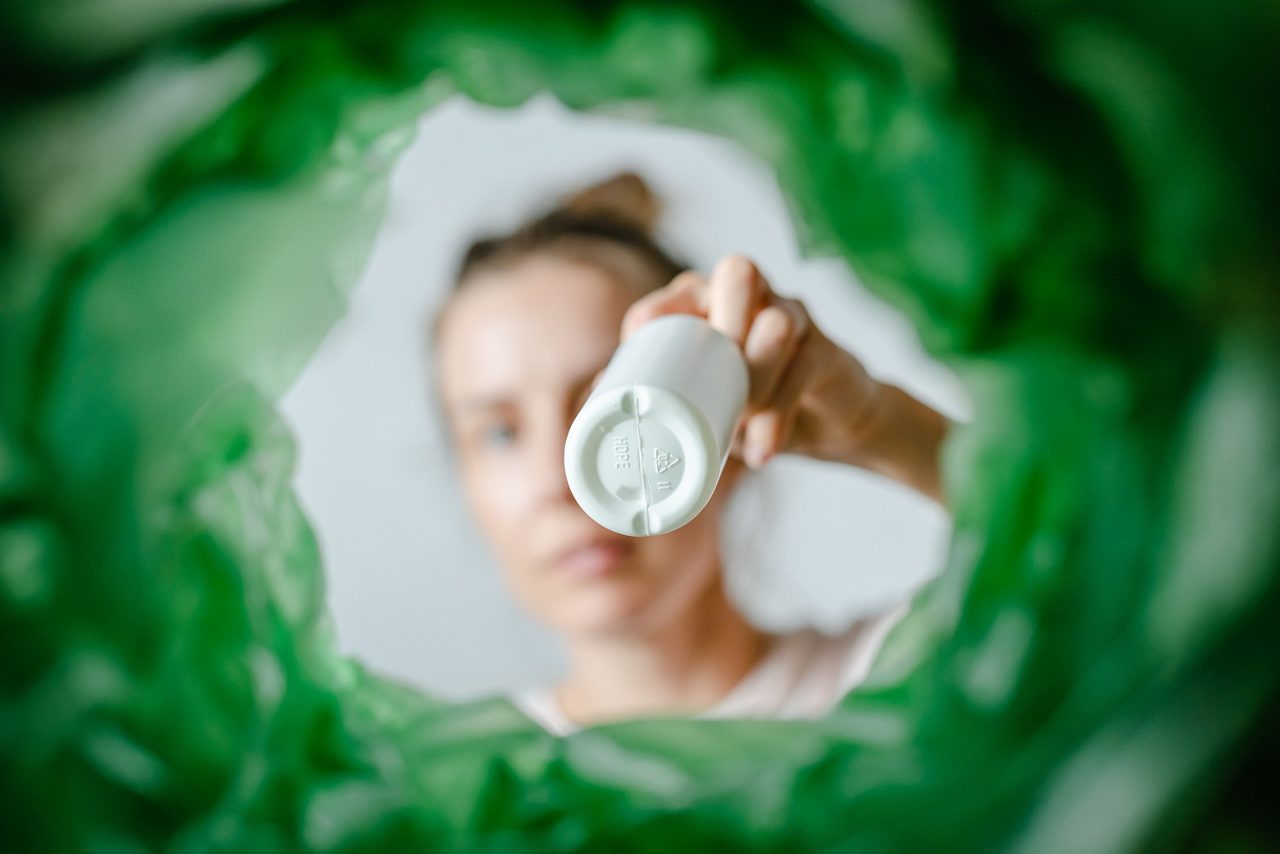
(645, 452)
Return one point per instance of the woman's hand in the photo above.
(805, 394)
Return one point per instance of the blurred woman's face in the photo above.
(517, 353)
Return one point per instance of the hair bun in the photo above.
(625, 196)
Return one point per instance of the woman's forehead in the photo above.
(544, 323)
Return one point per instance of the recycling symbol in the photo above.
(663, 460)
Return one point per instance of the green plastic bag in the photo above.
(1076, 204)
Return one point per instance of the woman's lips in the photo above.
(593, 559)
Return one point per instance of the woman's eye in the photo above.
(497, 435)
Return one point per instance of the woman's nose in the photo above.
(552, 482)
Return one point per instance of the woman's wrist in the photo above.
(895, 435)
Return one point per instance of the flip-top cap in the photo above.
(641, 460)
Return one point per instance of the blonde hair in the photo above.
(609, 224)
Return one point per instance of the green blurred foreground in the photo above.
(1077, 203)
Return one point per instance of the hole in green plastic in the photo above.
(1056, 203)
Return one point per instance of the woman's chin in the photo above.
(604, 612)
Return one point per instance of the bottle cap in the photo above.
(639, 459)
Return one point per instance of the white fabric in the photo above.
(803, 675)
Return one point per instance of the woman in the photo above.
(649, 629)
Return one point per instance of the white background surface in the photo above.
(412, 588)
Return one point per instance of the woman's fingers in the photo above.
(777, 335)
(728, 300)
(737, 301)
(772, 340)
(767, 432)
(685, 294)
(761, 435)
(736, 291)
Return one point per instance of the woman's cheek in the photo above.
(489, 494)
(495, 501)
(690, 554)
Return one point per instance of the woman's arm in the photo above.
(806, 395)
(900, 438)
